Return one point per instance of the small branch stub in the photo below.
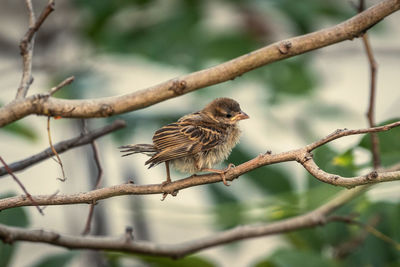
(178, 86)
(129, 234)
(284, 47)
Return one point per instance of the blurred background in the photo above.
(117, 47)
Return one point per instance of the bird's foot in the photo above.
(230, 166)
(166, 182)
(222, 172)
(167, 192)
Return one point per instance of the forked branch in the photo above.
(301, 155)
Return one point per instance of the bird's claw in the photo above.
(224, 179)
(165, 192)
(230, 166)
(222, 172)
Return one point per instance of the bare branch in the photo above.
(27, 43)
(26, 50)
(371, 106)
(314, 218)
(88, 223)
(29, 196)
(98, 179)
(64, 146)
(349, 182)
(344, 132)
(301, 155)
(103, 107)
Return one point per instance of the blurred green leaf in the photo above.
(153, 261)
(227, 208)
(13, 217)
(345, 160)
(371, 251)
(293, 76)
(320, 238)
(58, 260)
(268, 179)
(282, 206)
(227, 46)
(86, 84)
(305, 16)
(326, 110)
(20, 129)
(307, 239)
(290, 258)
(272, 180)
(389, 144)
(325, 158)
(374, 251)
(6, 253)
(192, 261)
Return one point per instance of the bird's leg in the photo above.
(165, 194)
(220, 172)
(168, 175)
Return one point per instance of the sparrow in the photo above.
(197, 141)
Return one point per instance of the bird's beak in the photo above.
(240, 116)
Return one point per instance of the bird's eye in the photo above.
(228, 115)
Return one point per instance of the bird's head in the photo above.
(225, 110)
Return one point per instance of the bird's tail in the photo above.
(147, 149)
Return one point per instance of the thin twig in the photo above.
(29, 196)
(27, 44)
(346, 248)
(96, 157)
(349, 182)
(66, 82)
(26, 50)
(31, 13)
(88, 223)
(34, 27)
(64, 178)
(371, 109)
(345, 132)
(369, 227)
(64, 146)
(371, 106)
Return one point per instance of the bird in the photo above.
(197, 141)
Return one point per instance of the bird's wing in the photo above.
(183, 138)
